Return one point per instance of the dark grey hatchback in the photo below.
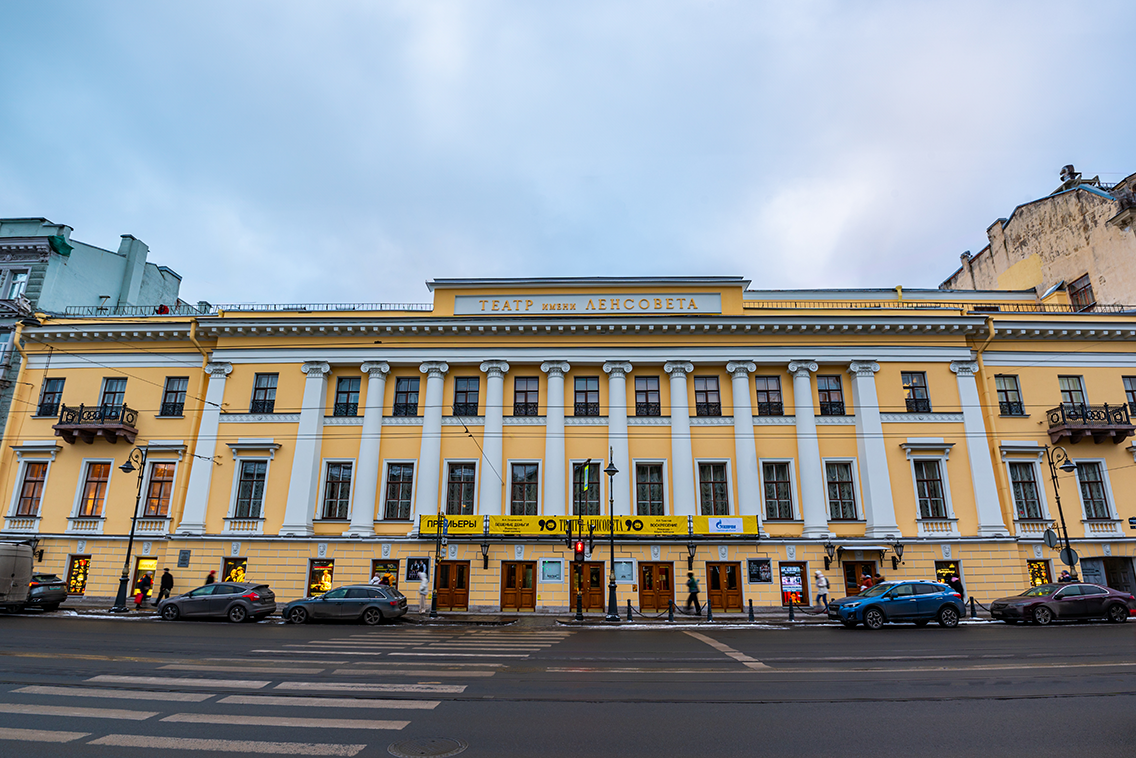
(371, 604)
(235, 601)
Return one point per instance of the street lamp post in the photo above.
(437, 567)
(1058, 458)
(138, 454)
(612, 602)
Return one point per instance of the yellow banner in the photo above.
(558, 525)
(725, 524)
(456, 524)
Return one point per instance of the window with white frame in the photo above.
(399, 491)
(1093, 494)
(16, 284)
(252, 476)
(31, 488)
(337, 490)
(929, 488)
(524, 488)
(585, 489)
(460, 483)
(1023, 481)
(649, 490)
(159, 489)
(841, 491)
(93, 496)
(713, 489)
(777, 486)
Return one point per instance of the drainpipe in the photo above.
(992, 416)
(198, 397)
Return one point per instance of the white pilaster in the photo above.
(685, 502)
(875, 481)
(745, 448)
(813, 508)
(201, 471)
(617, 434)
(990, 520)
(554, 462)
(430, 452)
(302, 488)
(492, 469)
(367, 468)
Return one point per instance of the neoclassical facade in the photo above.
(750, 437)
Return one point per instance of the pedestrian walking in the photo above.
(142, 590)
(822, 589)
(376, 580)
(423, 589)
(692, 596)
(387, 580)
(956, 585)
(165, 586)
(866, 582)
(1065, 577)
(211, 578)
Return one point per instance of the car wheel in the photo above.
(1117, 614)
(298, 615)
(1042, 615)
(171, 612)
(949, 617)
(873, 618)
(849, 624)
(372, 616)
(238, 614)
(922, 622)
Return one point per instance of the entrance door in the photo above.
(724, 586)
(518, 585)
(854, 573)
(656, 586)
(144, 567)
(453, 585)
(594, 586)
(1118, 574)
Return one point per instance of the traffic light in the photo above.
(579, 550)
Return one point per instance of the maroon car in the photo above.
(1049, 602)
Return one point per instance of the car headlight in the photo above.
(850, 606)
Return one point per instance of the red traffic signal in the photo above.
(579, 550)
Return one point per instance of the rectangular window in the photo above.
(264, 393)
(831, 396)
(526, 396)
(524, 484)
(769, 402)
(50, 397)
(250, 489)
(929, 490)
(320, 573)
(1009, 395)
(915, 386)
(460, 483)
(1023, 480)
(347, 396)
(707, 400)
(94, 489)
(778, 491)
(649, 489)
(466, 392)
(114, 395)
(159, 490)
(78, 569)
(173, 396)
(1129, 394)
(647, 396)
(1081, 294)
(585, 489)
(17, 284)
(31, 491)
(337, 490)
(1092, 491)
(400, 486)
(406, 396)
(234, 570)
(1072, 391)
(713, 490)
(587, 396)
(1039, 573)
(841, 492)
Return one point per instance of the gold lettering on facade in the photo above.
(528, 304)
(615, 303)
(496, 305)
(516, 305)
(591, 306)
(670, 303)
(644, 304)
(693, 305)
(483, 302)
(681, 303)
(505, 306)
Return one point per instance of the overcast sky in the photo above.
(349, 151)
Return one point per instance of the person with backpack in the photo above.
(822, 589)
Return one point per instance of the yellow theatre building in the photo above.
(750, 437)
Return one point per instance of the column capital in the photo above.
(741, 369)
(219, 368)
(495, 369)
(802, 369)
(375, 369)
(555, 368)
(316, 369)
(434, 368)
(964, 368)
(678, 369)
(617, 369)
(863, 368)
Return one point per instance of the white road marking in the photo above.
(304, 723)
(66, 711)
(470, 655)
(742, 658)
(310, 651)
(40, 735)
(447, 664)
(244, 684)
(227, 746)
(183, 697)
(242, 669)
(452, 689)
(583, 670)
(331, 702)
(258, 659)
(410, 672)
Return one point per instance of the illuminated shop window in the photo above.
(77, 572)
(234, 570)
(387, 570)
(1039, 573)
(319, 576)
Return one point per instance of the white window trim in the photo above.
(1080, 380)
(1105, 482)
(445, 483)
(602, 484)
(238, 457)
(103, 388)
(792, 488)
(24, 461)
(856, 489)
(540, 571)
(381, 513)
(83, 482)
(729, 484)
(1035, 461)
(944, 477)
(635, 463)
(317, 516)
(508, 505)
(6, 277)
(634, 571)
(146, 487)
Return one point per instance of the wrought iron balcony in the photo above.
(346, 409)
(1076, 421)
(647, 409)
(107, 421)
(172, 409)
(770, 409)
(918, 405)
(263, 406)
(526, 409)
(708, 409)
(406, 409)
(465, 409)
(832, 409)
(587, 409)
(1012, 408)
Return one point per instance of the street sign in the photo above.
(1132, 523)
(445, 526)
(1051, 539)
(1069, 556)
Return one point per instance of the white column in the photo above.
(367, 469)
(554, 439)
(990, 521)
(745, 448)
(617, 433)
(682, 459)
(492, 467)
(875, 481)
(813, 508)
(430, 453)
(201, 471)
(302, 489)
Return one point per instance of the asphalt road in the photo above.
(107, 687)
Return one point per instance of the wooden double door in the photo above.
(594, 597)
(453, 585)
(656, 586)
(854, 573)
(518, 585)
(724, 586)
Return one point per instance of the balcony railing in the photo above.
(406, 409)
(918, 405)
(1031, 527)
(262, 406)
(770, 409)
(108, 421)
(832, 408)
(172, 409)
(647, 409)
(465, 409)
(1012, 408)
(708, 409)
(586, 409)
(526, 409)
(346, 409)
(1076, 421)
(1102, 528)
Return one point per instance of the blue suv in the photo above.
(919, 602)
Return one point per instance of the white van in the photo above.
(15, 574)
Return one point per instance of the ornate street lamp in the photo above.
(137, 454)
(612, 602)
(898, 557)
(1058, 458)
(829, 551)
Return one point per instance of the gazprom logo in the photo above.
(723, 525)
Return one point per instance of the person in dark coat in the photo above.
(211, 578)
(164, 586)
(142, 590)
(692, 597)
(956, 585)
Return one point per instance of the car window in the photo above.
(45, 578)
(875, 590)
(376, 593)
(203, 591)
(226, 589)
(1073, 591)
(1092, 589)
(926, 588)
(903, 590)
(357, 592)
(339, 592)
(1042, 590)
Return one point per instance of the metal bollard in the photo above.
(670, 610)
(791, 617)
(751, 609)
(973, 613)
(628, 610)
(709, 609)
